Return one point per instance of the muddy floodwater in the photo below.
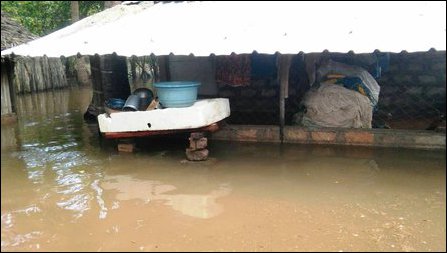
(63, 189)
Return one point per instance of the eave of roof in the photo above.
(222, 28)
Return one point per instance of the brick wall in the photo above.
(413, 89)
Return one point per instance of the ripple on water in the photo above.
(77, 203)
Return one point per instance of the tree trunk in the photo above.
(74, 11)
(109, 4)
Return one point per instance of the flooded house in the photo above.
(25, 74)
(266, 73)
(364, 90)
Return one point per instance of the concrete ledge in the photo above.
(253, 133)
(340, 136)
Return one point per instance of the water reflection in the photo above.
(48, 161)
(196, 205)
(8, 137)
(99, 199)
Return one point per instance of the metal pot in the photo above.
(132, 103)
(145, 96)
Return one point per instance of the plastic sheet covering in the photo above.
(331, 105)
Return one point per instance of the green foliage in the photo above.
(44, 17)
(87, 8)
(40, 17)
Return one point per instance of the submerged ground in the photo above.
(64, 189)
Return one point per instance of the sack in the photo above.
(370, 85)
(335, 106)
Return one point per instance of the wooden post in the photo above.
(283, 65)
(98, 94)
(163, 65)
(12, 90)
(6, 94)
(133, 68)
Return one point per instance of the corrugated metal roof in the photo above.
(221, 28)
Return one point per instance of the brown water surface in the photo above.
(63, 189)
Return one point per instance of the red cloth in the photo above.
(233, 70)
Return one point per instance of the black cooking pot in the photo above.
(145, 96)
(132, 103)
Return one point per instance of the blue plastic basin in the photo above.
(177, 94)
